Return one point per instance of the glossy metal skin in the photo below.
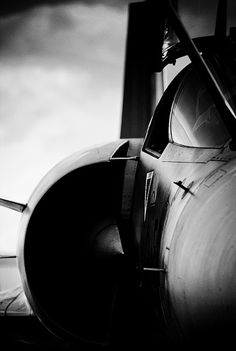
(185, 232)
(125, 222)
(70, 246)
(190, 234)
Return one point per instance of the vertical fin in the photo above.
(143, 58)
(221, 20)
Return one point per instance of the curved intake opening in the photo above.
(73, 255)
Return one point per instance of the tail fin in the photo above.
(143, 54)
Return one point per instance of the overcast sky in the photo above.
(61, 80)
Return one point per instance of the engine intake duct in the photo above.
(73, 258)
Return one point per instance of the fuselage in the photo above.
(190, 234)
(184, 215)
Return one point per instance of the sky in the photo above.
(61, 81)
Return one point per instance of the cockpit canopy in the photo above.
(195, 120)
(187, 114)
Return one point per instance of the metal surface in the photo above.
(16, 206)
(77, 243)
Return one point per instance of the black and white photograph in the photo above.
(117, 175)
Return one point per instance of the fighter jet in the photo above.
(136, 240)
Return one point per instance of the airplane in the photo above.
(133, 242)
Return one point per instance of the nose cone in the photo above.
(202, 260)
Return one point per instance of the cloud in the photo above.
(61, 77)
(62, 35)
(10, 7)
